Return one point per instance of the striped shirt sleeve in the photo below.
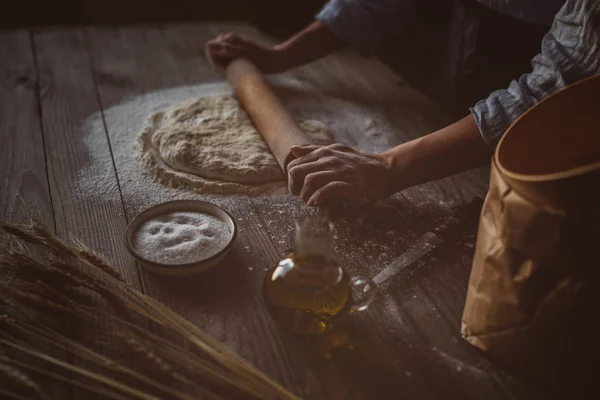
(570, 51)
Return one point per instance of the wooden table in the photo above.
(407, 345)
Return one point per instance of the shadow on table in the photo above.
(211, 287)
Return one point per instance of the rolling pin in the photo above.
(272, 120)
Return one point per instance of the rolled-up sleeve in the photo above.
(363, 24)
(570, 52)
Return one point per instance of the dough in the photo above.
(214, 138)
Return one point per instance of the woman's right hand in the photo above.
(228, 46)
(320, 173)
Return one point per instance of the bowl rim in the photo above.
(190, 265)
(533, 113)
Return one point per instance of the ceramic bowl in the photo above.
(176, 206)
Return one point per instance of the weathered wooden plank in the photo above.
(24, 191)
(94, 216)
(69, 97)
(23, 180)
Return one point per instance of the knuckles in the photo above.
(324, 152)
(293, 173)
(340, 147)
(311, 182)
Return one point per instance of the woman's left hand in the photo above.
(320, 173)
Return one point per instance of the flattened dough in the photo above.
(214, 138)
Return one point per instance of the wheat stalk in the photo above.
(50, 374)
(71, 281)
(21, 380)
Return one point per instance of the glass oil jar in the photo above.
(308, 292)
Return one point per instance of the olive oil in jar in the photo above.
(306, 294)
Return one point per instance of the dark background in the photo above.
(276, 17)
(454, 51)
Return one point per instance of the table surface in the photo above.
(406, 345)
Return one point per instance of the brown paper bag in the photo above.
(532, 301)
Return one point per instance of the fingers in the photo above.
(224, 48)
(218, 63)
(310, 159)
(229, 37)
(311, 153)
(299, 151)
(216, 48)
(319, 173)
(336, 190)
(297, 173)
(315, 181)
(232, 37)
(226, 40)
(308, 154)
(315, 185)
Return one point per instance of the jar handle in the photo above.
(362, 291)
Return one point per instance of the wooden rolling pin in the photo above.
(275, 124)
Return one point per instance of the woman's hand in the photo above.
(228, 46)
(320, 173)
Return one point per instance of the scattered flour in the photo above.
(181, 237)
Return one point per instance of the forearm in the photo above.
(314, 42)
(448, 151)
(569, 52)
